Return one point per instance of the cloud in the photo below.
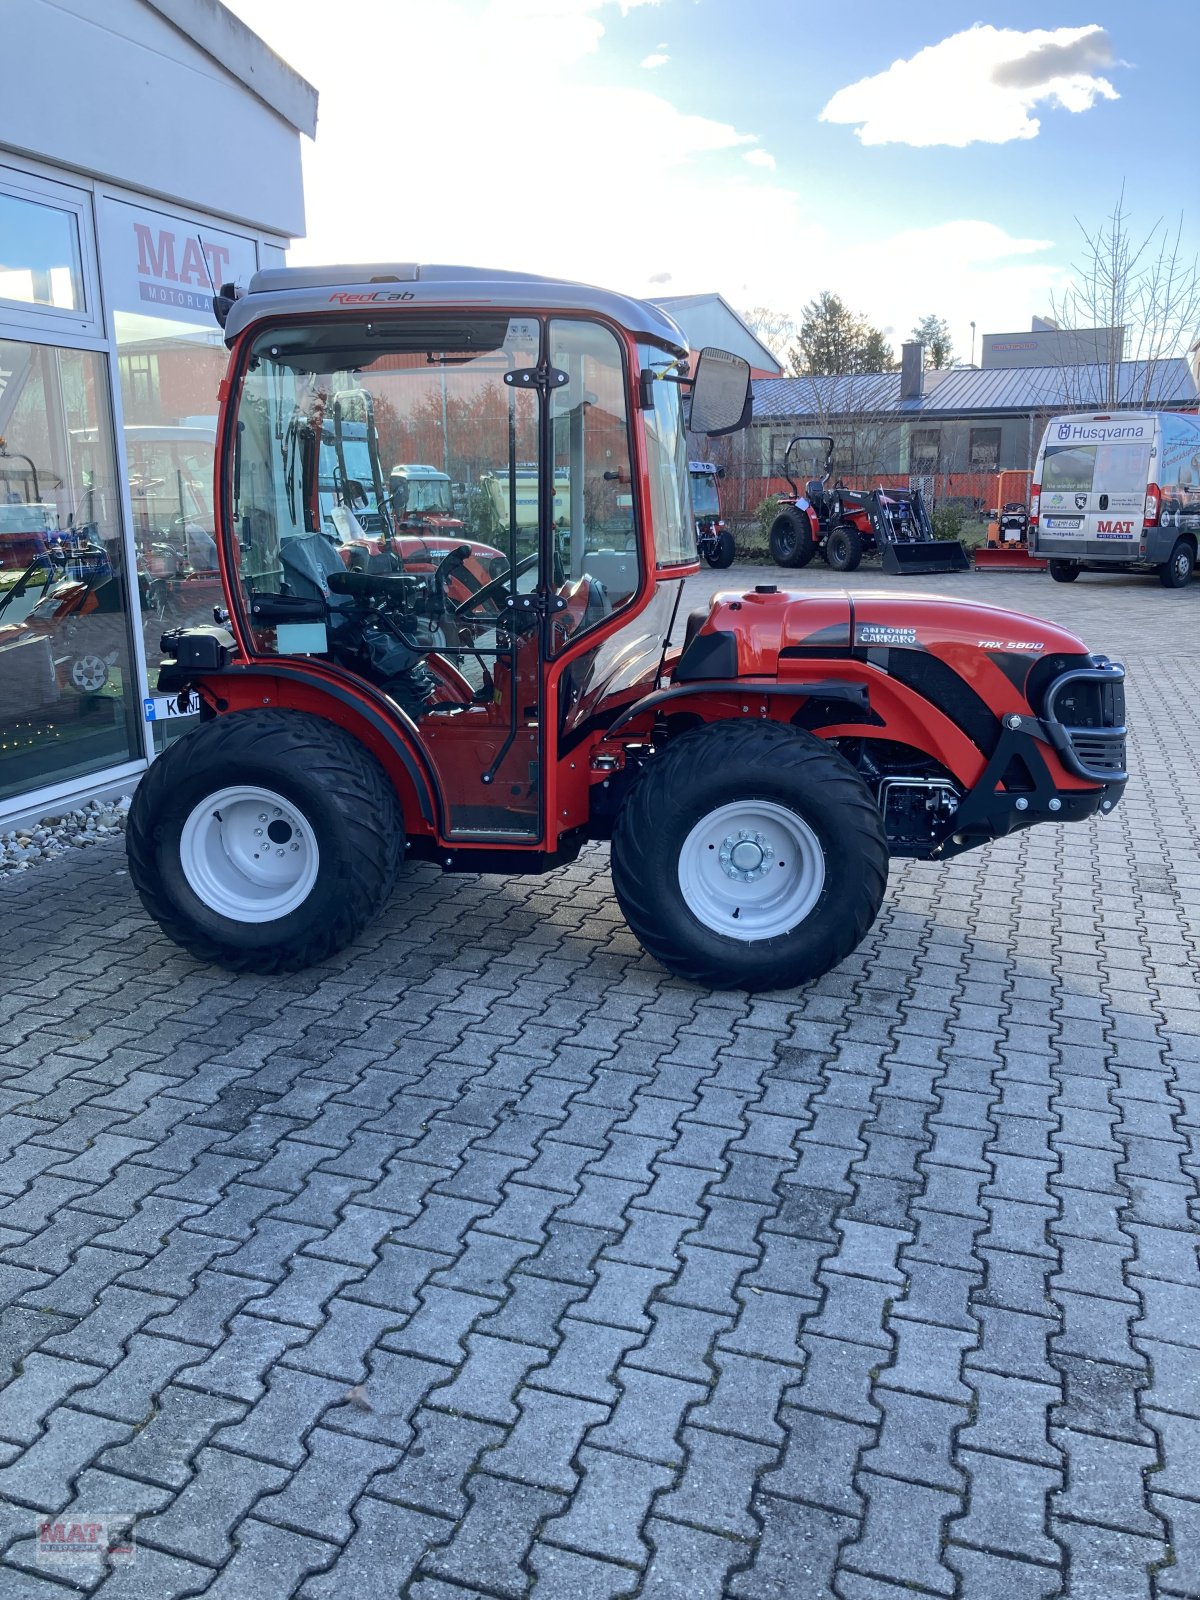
(657, 60)
(660, 277)
(978, 86)
(760, 158)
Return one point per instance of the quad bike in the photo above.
(714, 540)
(847, 524)
(754, 776)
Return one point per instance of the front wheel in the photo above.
(1064, 571)
(264, 841)
(791, 542)
(749, 856)
(844, 550)
(1176, 571)
(720, 551)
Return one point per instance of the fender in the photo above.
(384, 729)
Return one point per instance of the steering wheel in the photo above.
(492, 590)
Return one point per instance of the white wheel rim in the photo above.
(249, 854)
(89, 674)
(751, 870)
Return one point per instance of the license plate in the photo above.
(1066, 524)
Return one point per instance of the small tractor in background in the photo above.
(1007, 547)
(714, 540)
(847, 524)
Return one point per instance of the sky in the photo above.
(913, 157)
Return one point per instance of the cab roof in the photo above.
(304, 291)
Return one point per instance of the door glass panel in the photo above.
(384, 505)
(39, 254)
(69, 701)
(595, 531)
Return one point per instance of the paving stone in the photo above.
(837, 1379)
(45, 1382)
(1104, 1482)
(128, 1391)
(819, 1462)
(990, 1577)
(200, 1521)
(237, 1367)
(318, 1498)
(1180, 1451)
(491, 1542)
(717, 1483)
(609, 1507)
(397, 1385)
(1107, 1565)
(1007, 1507)
(43, 1476)
(540, 1447)
(565, 1575)
(901, 1538)
(687, 1563)
(275, 1428)
(439, 1328)
(382, 1555)
(1010, 1417)
(917, 1440)
(181, 1422)
(268, 1563)
(437, 1464)
(585, 1361)
(648, 1416)
(486, 1382)
(1182, 1518)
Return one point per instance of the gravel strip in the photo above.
(33, 843)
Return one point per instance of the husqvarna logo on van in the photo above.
(1064, 430)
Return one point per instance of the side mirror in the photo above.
(722, 400)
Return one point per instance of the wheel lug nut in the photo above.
(279, 852)
(262, 816)
(258, 833)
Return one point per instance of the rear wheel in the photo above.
(749, 855)
(264, 841)
(791, 540)
(720, 551)
(1176, 571)
(1064, 571)
(843, 549)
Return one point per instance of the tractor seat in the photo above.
(307, 563)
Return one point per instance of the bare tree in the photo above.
(1146, 286)
(774, 328)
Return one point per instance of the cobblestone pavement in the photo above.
(489, 1260)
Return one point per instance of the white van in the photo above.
(1118, 489)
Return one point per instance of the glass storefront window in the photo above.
(39, 254)
(69, 697)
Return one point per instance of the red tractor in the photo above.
(847, 524)
(754, 778)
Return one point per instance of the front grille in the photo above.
(1099, 752)
(1084, 716)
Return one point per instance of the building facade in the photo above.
(168, 163)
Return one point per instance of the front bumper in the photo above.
(1083, 722)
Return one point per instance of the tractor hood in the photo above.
(768, 623)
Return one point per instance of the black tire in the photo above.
(1176, 571)
(719, 552)
(731, 763)
(1064, 571)
(791, 541)
(336, 785)
(843, 549)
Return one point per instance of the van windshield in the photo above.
(1099, 468)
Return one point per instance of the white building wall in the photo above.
(111, 83)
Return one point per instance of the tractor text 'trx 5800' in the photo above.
(491, 692)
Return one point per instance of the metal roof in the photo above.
(304, 291)
(956, 391)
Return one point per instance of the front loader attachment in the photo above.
(904, 535)
(920, 557)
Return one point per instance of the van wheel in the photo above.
(1064, 571)
(1176, 571)
(749, 856)
(264, 841)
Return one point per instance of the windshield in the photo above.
(666, 447)
(358, 463)
(1099, 468)
(430, 495)
(704, 494)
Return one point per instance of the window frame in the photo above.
(57, 321)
